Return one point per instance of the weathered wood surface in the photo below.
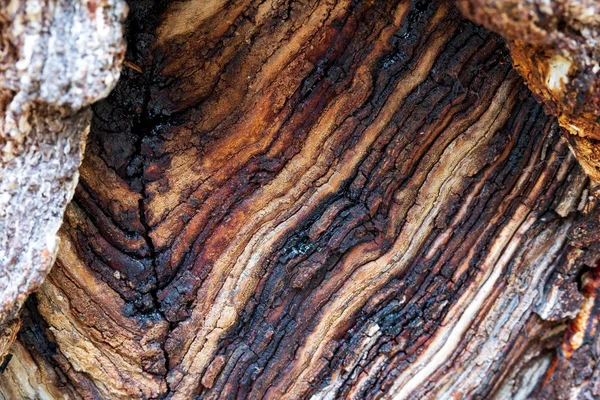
(555, 46)
(317, 199)
(56, 58)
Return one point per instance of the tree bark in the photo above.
(554, 46)
(317, 199)
(56, 58)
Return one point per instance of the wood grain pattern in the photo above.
(554, 46)
(313, 199)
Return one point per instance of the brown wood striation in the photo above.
(313, 199)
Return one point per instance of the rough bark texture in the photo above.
(317, 199)
(56, 58)
(555, 45)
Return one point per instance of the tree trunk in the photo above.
(317, 199)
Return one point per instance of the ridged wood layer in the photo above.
(311, 199)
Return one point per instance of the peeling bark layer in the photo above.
(312, 199)
(56, 58)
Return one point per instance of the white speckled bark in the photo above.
(56, 58)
